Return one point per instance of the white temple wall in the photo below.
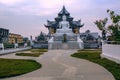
(111, 51)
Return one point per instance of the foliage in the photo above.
(113, 29)
(20, 44)
(8, 45)
(115, 26)
(101, 25)
(14, 67)
(94, 56)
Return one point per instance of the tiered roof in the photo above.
(55, 24)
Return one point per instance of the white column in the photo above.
(31, 41)
(25, 44)
(16, 45)
(2, 46)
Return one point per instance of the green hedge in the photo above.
(20, 44)
(8, 45)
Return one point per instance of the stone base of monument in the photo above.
(73, 45)
(68, 45)
(65, 39)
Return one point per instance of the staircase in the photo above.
(65, 46)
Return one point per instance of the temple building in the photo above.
(64, 32)
(40, 41)
(91, 39)
(54, 25)
(41, 38)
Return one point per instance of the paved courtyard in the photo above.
(59, 65)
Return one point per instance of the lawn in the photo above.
(39, 50)
(94, 56)
(14, 67)
(32, 52)
(29, 54)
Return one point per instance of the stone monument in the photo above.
(64, 32)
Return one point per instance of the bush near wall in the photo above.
(20, 44)
(8, 45)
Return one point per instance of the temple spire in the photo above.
(64, 11)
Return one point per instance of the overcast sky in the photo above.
(27, 17)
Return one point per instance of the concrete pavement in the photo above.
(59, 65)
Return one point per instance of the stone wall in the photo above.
(69, 45)
(2, 52)
(111, 51)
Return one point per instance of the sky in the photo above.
(27, 17)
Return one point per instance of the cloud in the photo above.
(10, 2)
(21, 15)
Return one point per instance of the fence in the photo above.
(2, 52)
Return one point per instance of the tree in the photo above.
(101, 25)
(113, 29)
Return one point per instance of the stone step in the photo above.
(64, 46)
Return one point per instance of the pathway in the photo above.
(58, 65)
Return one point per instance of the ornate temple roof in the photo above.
(55, 24)
(77, 23)
(63, 11)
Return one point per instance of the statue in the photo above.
(64, 24)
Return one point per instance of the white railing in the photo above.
(13, 50)
(1, 46)
(10, 50)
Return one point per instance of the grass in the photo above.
(14, 67)
(94, 56)
(39, 50)
(32, 52)
(29, 54)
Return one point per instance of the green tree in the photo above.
(101, 25)
(113, 29)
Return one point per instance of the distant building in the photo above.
(41, 38)
(90, 39)
(15, 38)
(4, 35)
(41, 41)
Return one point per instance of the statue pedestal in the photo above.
(65, 39)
